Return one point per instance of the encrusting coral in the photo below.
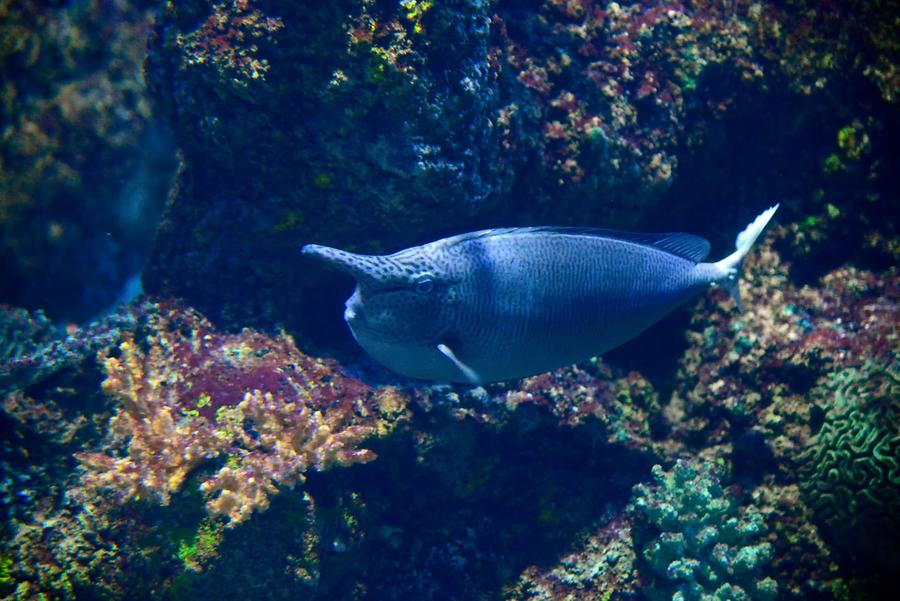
(189, 396)
(766, 370)
(602, 566)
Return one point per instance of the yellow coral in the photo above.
(145, 385)
(292, 439)
(271, 438)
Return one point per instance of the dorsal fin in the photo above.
(687, 246)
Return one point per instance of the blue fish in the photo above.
(507, 303)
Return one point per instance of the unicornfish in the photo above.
(501, 304)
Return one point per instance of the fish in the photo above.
(506, 303)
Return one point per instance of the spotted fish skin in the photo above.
(508, 303)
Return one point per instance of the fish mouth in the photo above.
(353, 312)
(352, 315)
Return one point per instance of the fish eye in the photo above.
(424, 284)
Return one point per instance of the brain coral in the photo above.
(851, 471)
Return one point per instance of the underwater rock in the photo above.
(22, 333)
(85, 167)
(373, 127)
(238, 417)
(802, 563)
(802, 387)
(602, 566)
(34, 350)
(175, 443)
(346, 122)
(766, 371)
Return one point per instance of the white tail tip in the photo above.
(747, 237)
(729, 266)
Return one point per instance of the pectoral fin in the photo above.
(466, 371)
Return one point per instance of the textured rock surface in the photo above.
(349, 123)
(373, 126)
(84, 167)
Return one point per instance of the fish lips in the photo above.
(353, 312)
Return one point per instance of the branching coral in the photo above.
(697, 542)
(188, 395)
(288, 439)
(162, 447)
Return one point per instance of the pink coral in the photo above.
(228, 39)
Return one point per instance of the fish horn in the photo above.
(362, 267)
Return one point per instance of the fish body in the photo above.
(507, 303)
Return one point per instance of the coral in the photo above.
(294, 437)
(632, 81)
(22, 333)
(802, 562)
(227, 41)
(851, 466)
(190, 396)
(84, 167)
(203, 546)
(49, 350)
(761, 371)
(622, 75)
(625, 406)
(601, 567)
(696, 541)
(47, 418)
(817, 43)
(72, 553)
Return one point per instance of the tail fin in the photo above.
(730, 266)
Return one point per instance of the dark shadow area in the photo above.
(88, 252)
(656, 351)
(453, 514)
